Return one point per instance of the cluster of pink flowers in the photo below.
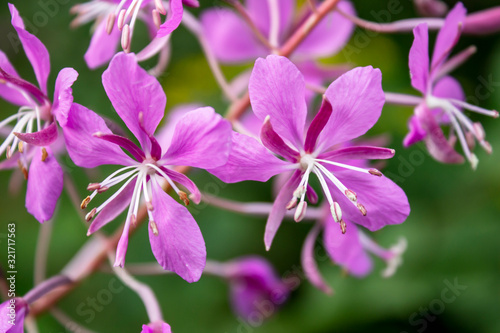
(279, 133)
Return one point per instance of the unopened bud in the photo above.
(362, 209)
(90, 215)
(351, 195)
(183, 196)
(336, 212)
(300, 212)
(153, 227)
(85, 202)
(375, 172)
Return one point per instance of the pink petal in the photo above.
(21, 310)
(386, 203)
(229, 37)
(103, 46)
(449, 34)
(419, 59)
(182, 179)
(166, 132)
(309, 262)
(329, 36)
(357, 100)
(358, 152)
(174, 18)
(86, 150)
(41, 138)
(249, 160)
(272, 141)
(11, 95)
(416, 132)
(447, 87)
(179, 246)
(34, 49)
(258, 10)
(317, 125)
(63, 94)
(131, 91)
(277, 89)
(346, 249)
(202, 139)
(45, 184)
(113, 209)
(279, 208)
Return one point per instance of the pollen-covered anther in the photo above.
(149, 206)
(93, 186)
(153, 227)
(291, 204)
(159, 6)
(156, 18)
(375, 172)
(8, 152)
(342, 227)
(121, 19)
(110, 23)
(183, 196)
(85, 202)
(300, 212)
(133, 220)
(351, 195)
(90, 215)
(44, 154)
(23, 169)
(300, 191)
(126, 38)
(336, 212)
(102, 189)
(362, 209)
(20, 147)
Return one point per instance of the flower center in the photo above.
(466, 130)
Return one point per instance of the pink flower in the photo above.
(12, 313)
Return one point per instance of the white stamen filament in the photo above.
(111, 198)
(346, 166)
(160, 171)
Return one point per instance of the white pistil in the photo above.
(164, 175)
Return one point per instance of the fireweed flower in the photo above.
(352, 104)
(233, 41)
(115, 21)
(254, 284)
(12, 313)
(350, 251)
(31, 141)
(443, 95)
(201, 139)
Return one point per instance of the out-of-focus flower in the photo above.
(351, 106)
(12, 313)
(443, 95)
(201, 139)
(157, 327)
(31, 142)
(431, 7)
(115, 21)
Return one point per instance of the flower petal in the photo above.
(330, 35)
(309, 262)
(45, 184)
(131, 91)
(449, 34)
(317, 125)
(249, 160)
(359, 152)
(186, 182)
(103, 46)
(41, 138)
(63, 94)
(277, 89)
(272, 141)
(179, 246)
(35, 50)
(279, 208)
(419, 59)
(11, 95)
(230, 38)
(202, 139)
(113, 209)
(86, 150)
(259, 12)
(174, 18)
(385, 202)
(357, 100)
(166, 131)
(346, 249)
(416, 132)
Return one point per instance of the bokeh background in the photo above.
(452, 231)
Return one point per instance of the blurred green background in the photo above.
(452, 232)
